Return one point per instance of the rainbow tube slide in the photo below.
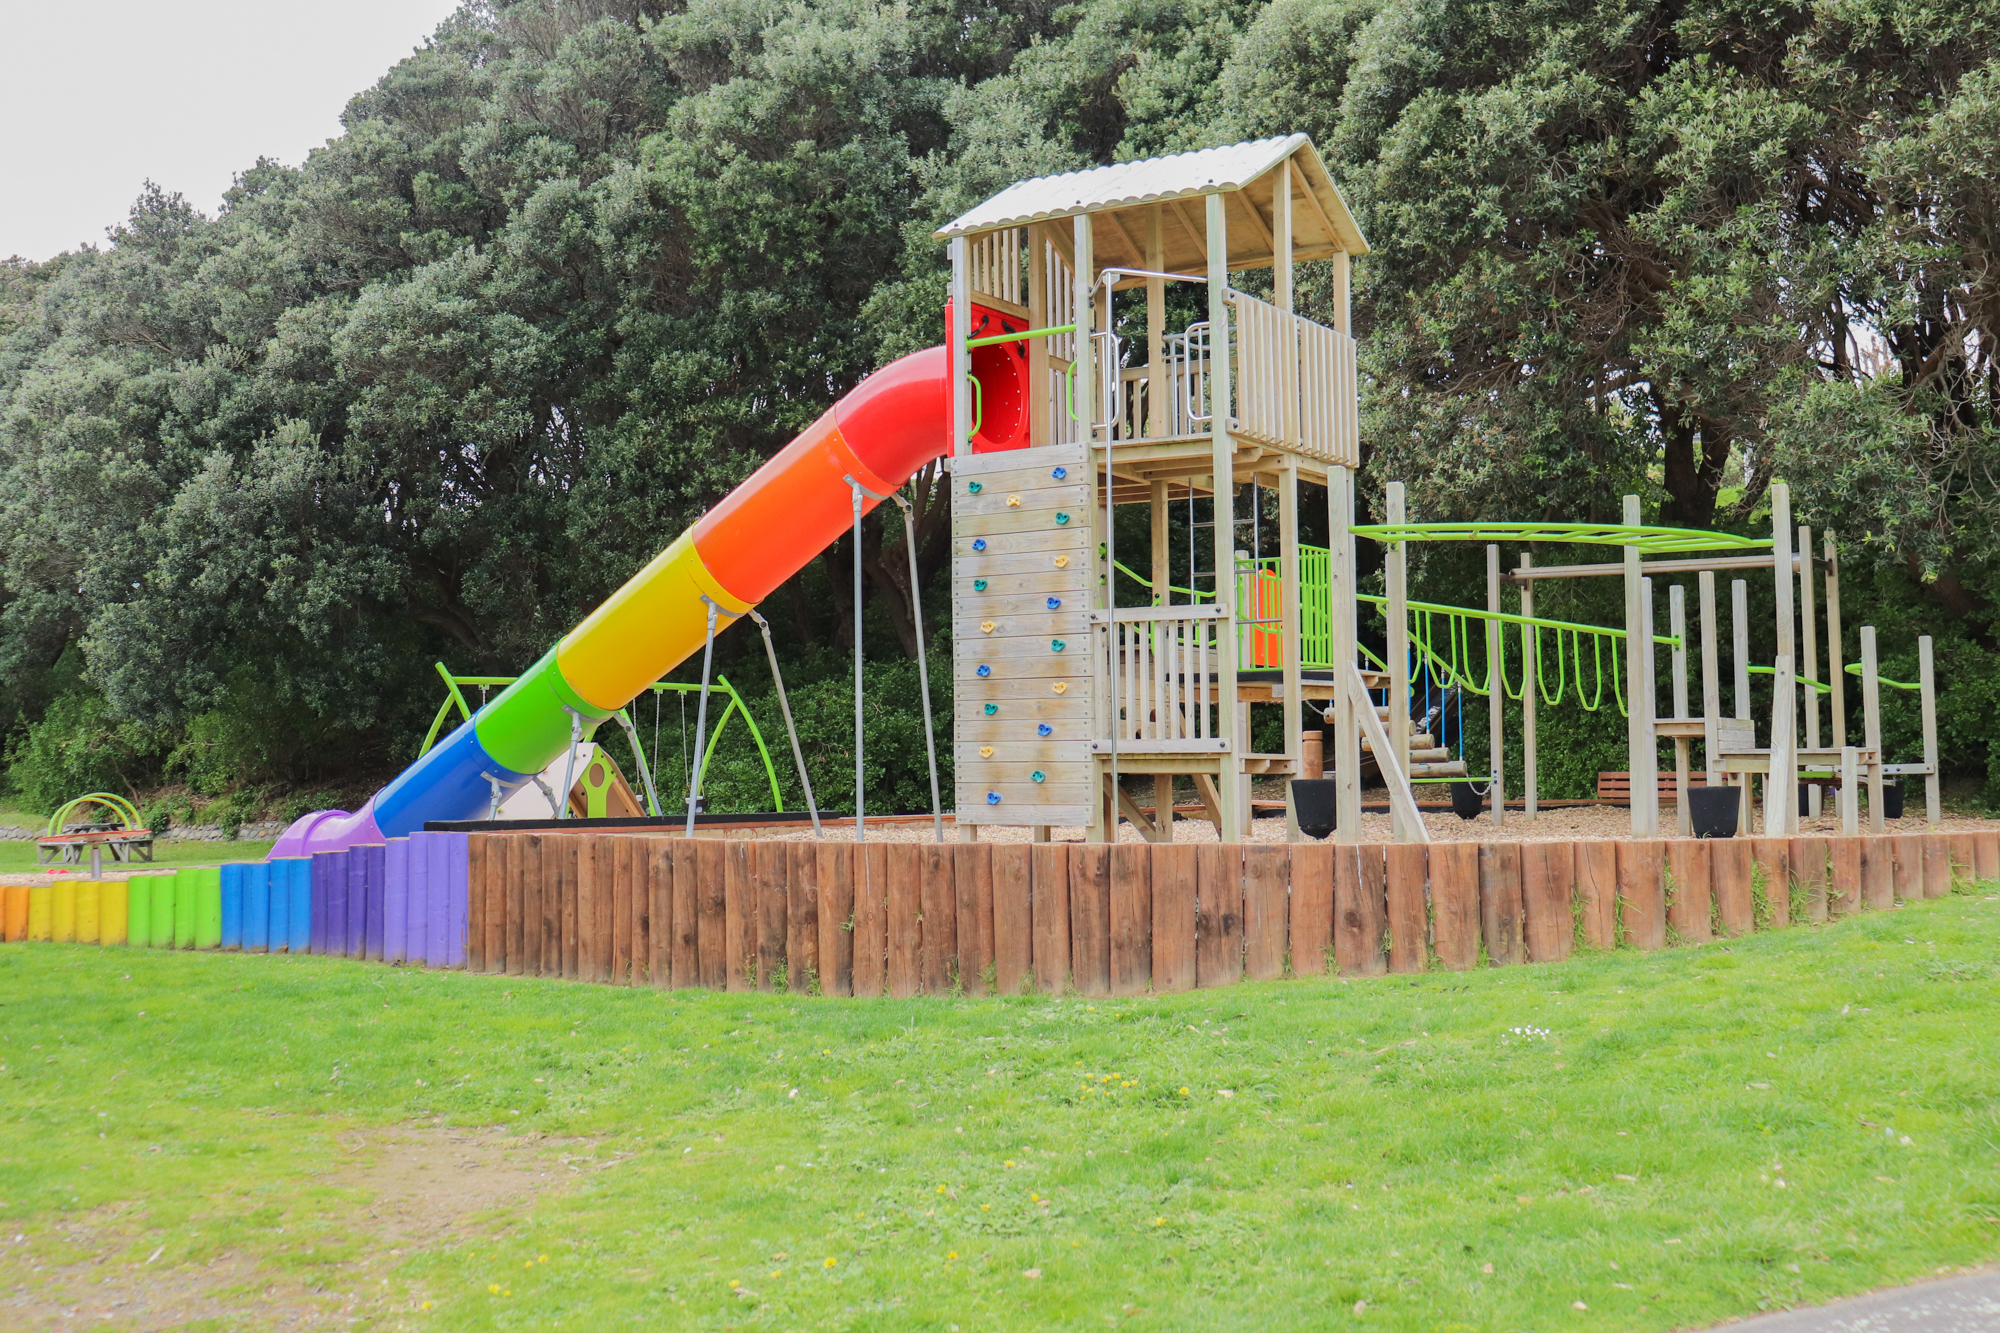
(761, 534)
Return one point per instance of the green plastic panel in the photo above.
(524, 728)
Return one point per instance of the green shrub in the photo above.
(79, 747)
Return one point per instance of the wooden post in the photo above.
(1784, 703)
(1043, 404)
(1809, 655)
(1739, 621)
(1644, 763)
(1836, 668)
(961, 356)
(1159, 386)
(1288, 627)
(1871, 725)
(1711, 680)
(1281, 237)
(1927, 693)
(1396, 574)
(1531, 662)
(1496, 716)
(1850, 790)
(1677, 626)
(1346, 756)
(1222, 466)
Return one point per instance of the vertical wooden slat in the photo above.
(624, 914)
(1878, 872)
(1961, 855)
(1013, 920)
(1360, 909)
(594, 872)
(905, 873)
(1500, 909)
(1049, 890)
(767, 867)
(1312, 907)
(1907, 850)
(1729, 879)
(1986, 856)
(692, 920)
(521, 867)
(1937, 865)
(1844, 860)
(1689, 889)
(871, 919)
(1597, 891)
(475, 901)
(740, 918)
(1265, 872)
(1090, 918)
(1454, 871)
(1218, 948)
(500, 879)
(1642, 892)
(572, 904)
(1548, 879)
(1803, 881)
(938, 935)
(533, 877)
(1131, 918)
(1407, 868)
(1173, 917)
(559, 869)
(662, 930)
(833, 885)
(802, 967)
(973, 877)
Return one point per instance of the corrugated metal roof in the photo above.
(1123, 184)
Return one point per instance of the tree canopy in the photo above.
(576, 267)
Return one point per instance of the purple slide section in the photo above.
(328, 830)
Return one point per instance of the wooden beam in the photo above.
(1262, 228)
(1195, 233)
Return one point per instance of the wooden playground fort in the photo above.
(1059, 418)
(513, 844)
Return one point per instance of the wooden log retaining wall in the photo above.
(905, 919)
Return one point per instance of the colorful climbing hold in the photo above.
(1060, 473)
(1013, 502)
(1038, 776)
(984, 671)
(978, 543)
(1060, 687)
(1062, 519)
(979, 585)
(985, 752)
(1055, 603)
(986, 626)
(991, 709)
(1062, 562)
(1057, 645)
(1044, 729)
(992, 798)
(974, 487)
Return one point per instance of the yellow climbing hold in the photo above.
(985, 752)
(1013, 502)
(1062, 562)
(986, 626)
(1061, 687)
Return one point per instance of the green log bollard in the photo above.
(186, 890)
(163, 911)
(139, 911)
(208, 907)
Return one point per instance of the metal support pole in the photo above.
(1531, 676)
(700, 720)
(576, 739)
(785, 707)
(860, 777)
(639, 755)
(1927, 690)
(923, 666)
(1496, 715)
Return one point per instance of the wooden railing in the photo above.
(1294, 383)
(1162, 660)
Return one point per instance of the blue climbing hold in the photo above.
(1055, 603)
(1060, 473)
(992, 798)
(984, 671)
(1041, 728)
(978, 543)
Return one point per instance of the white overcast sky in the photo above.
(98, 98)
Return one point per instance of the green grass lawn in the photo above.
(1669, 1139)
(19, 857)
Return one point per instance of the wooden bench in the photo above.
(1617, 787)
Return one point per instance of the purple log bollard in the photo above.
(458, 851)
(396, 900)
(375, 854)
(419, 902)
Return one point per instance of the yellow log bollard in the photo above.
(41, 908)
(62, 920)
(113, 904)
(87, 906)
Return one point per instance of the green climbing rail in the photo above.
(1650, 540)
(454, 696)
